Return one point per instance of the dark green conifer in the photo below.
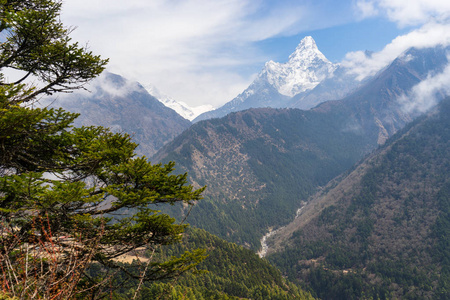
(71, 197)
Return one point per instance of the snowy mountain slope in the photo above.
(335, 87)
(181, 108)
(279, 82)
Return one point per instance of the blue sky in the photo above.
(336, 41)
(207, 52)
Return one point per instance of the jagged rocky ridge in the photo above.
(306, 68)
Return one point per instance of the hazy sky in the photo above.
(209, 51)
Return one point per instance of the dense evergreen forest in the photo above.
(388, 236)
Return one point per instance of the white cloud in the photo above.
(195, 50)
(429, 35)
(433, 19)
(430, 16)
(192, 50)
(189, 49)
(425, 94)
(407, 12)
(412, 12)
(366, 9)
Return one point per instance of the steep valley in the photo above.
(382, 229)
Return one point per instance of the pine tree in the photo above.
(72, 198)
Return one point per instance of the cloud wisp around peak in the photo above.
(207, 52)
(193, 50)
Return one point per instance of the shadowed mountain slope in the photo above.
(125, 106)
(383, 229)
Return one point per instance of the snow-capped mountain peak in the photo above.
(306, 68)
(306, 50)
(278, 83)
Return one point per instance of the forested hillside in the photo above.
(383, 230)
(259, 165)
(229, 272)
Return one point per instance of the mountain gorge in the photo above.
(375, 230)
(381, 230)
(259, 164)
